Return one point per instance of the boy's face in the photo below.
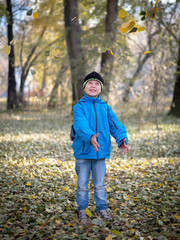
(92, 88)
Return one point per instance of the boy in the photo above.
(94, 120)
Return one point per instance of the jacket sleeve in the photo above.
(117, 129)
(80, 123)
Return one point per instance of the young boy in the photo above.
(94, 120)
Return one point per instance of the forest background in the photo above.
(47, 47)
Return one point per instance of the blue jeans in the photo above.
(83, 170)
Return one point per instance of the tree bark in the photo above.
(107, 59)
(74, 46)
(54, 94)
(175, 105)
(12, 95)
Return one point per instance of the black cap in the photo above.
(93, 76)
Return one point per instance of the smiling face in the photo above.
(92, 88)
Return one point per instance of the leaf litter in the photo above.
(38, 183)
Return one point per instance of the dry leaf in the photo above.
(146, 52)
(36, 14)
(6, 50)
(28, 184)
(109, 237)
(122, 13)
(88, 212)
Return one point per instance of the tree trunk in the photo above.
(75, 51)
(175, 105)
(12, 95)
(107, 59)
(54, 94)
(30, 60)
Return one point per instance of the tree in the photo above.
(12, 95)
(33, 55)
(110, 37)
(74, 46)
(175, 105)
(54, 93)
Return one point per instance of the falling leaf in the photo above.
(36, 14)
(88, 212)
(153, 11)
(110, 51)
(28, 184)
(57, 57)
(6, 50)
(104, 50)
(33, 72)
(127, 26)
(142, 13)
(122, 13)
(134, 29)
(47, 53)
(146, 52)
(141, 28)
(109, 237)
(29, 13)
(12, 41)
(73, 18)
(143, 18)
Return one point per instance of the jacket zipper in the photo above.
(83, 145)
(114, 124)
(96, 124)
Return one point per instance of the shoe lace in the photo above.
(82, 213)
(105, 213)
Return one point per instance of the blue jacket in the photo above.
(91, 116)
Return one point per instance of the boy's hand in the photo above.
(124, 147)
(94, 142)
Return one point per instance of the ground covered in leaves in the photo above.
(38, 182)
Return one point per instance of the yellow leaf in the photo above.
(109, 189)
(110, 51)
(146, 52)
(6, 50)
(122, 13)
(109, 237)
(12, 41)
(24, 171)
(88, 212)
(65, 189)
(140, 29)
(177, 217)
(128, 197)
(71, 224)
(116, 232)
(28, 184)
(127, 26)
(25, 208)
(36, 14)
